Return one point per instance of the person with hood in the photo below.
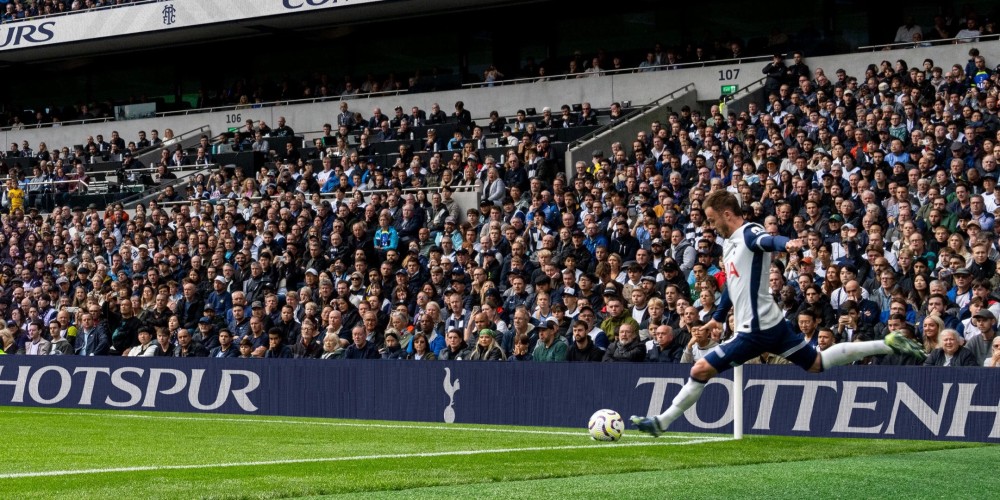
(392, 349)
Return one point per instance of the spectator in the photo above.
(421, 349)
(583, 347)
(951, 352)
(549, 347)
(666, 346)
(486, 348)
(627, 347)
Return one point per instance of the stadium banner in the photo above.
(150, 17)
(869, 401)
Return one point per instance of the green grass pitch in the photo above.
(52, 453)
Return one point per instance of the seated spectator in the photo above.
(583, 347)
(666, 346)
(951, 352)
(627, 347)
(549, 347)
(421, 349)
(487, 348)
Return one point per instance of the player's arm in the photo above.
(725, 304)
(759, 241)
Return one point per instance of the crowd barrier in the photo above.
(871, 401)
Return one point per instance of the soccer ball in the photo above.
(606, 425)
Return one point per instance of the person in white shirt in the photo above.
(146, 347)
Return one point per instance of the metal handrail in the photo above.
(631, 70)
(32, 182)
(928, 43)
(135, 198)
(283, 102)
(461, 189)
(744, 90)
(626, 118)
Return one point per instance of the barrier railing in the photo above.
(611, 72)
(927, 43)
(637, 111)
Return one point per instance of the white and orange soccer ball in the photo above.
(606, 425)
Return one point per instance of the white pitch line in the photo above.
(336, 424)
(20, 475)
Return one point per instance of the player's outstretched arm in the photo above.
(757, 240)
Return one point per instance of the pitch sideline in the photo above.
(144, 468)
(403, 425)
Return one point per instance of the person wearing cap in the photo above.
(570, 300)
(220, 299)
(989, 192)
(981, 345)
(549, 347)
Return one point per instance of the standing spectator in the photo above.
(905, 32)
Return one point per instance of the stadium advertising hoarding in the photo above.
(150, 17)
(885, 402)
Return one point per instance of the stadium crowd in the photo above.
(890, 177)
(16, 10)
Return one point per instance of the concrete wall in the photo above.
(507, 99)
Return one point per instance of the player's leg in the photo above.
(723, 357)
(849, 352)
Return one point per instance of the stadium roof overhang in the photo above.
(327, 24)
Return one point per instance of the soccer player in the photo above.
(760, 324)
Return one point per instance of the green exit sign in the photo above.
(729, 89)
